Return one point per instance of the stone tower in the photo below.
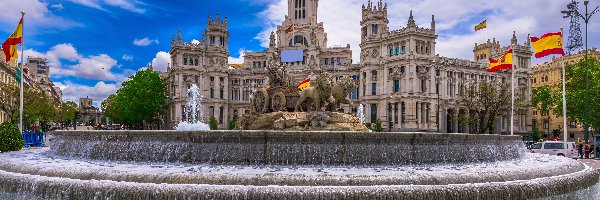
(374, 20)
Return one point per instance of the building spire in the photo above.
(172, 39)
(179, 35)
(514, 38)
(411, 20)
(432, 22)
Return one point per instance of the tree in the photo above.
(9, 98)
(535, 135)
(232, 124)
(542, 99)
(37, 106)
(140, 100)
(576, 93)
(67, 112)
(484, 101)
(213, 123)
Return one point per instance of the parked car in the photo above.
(554, 148)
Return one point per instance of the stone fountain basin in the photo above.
(37, 174)
(286, 148)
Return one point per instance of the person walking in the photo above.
(580, 150)
(587, 150)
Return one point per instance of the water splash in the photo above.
(361, 113)
(194, 117)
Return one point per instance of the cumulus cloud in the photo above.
(130, 5)
(454, 21)
(126, 57)
(238, 60)
(144, 42)
(93, 67)
(161, 61)
(194, 41)
(98, 92)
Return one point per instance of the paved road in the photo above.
(592, 163)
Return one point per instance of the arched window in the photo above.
(298, 39)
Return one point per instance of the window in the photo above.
(423, 85)
(196, 61)
(396, 86)
(185, 61)
(221, 93)
(391, 52)
(403, 112)
(373, 113)
(326, 61)
(221, 111)
(332, 61)
(536, 146)
(573, 124)
(212, 93)
(403, 49)
(375, 29)
(373, 89)
(554, 145)
(546, 125)
(397, 50)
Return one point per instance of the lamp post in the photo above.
(586, 19)
(437, 90)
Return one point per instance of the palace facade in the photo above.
(396, 76)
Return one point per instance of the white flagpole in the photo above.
(512, 100)
(22, 74)
(564, 95)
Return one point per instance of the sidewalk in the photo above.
(591, 162)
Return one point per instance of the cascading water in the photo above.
(193, 112)
(361, 113)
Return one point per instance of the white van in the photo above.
(554, 148)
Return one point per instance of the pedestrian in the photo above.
(580, 150)
(587, 150)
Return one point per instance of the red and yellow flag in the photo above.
(548, 44)
(290, 28)
(481, 25)
(304, 84)
(10, 45)
(504, 62)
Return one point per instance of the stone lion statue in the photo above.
(340, 91)
(317, 96)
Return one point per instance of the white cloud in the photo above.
(37, 15)
(98, 92)
(126, 57)
(130, 5)
(57, 6)
(238, 60)
(454, 21)
(161, 61)
(93, 67)
(194, 41)
(144, 42)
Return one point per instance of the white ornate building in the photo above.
(396, 74)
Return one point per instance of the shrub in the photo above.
(212, 123)
(10, 138)
(232, 124)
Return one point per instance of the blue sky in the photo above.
(93, 45)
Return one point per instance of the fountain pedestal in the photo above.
(301, 121)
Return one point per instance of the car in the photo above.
(554, 148)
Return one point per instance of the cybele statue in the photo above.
(279, 105)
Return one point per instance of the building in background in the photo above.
(38, 71)
(8, 75)
(89, 114)
(396, 76)
(550, 74)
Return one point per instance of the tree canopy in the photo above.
(577, 106)
(544, 99)
(141, 99)
(484, 101)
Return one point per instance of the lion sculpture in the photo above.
(340, 91)
(317, 96)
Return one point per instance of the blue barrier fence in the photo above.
(34, 139)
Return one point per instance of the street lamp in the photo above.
(586, 19)
(437, 90)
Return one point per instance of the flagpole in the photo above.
(564, 95)
(22, 74)
(512, 99)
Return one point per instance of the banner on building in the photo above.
(292, 55)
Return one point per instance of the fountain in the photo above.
(276, 164)
(193, 112)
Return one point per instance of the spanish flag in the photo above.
(10, 45)
(304, 84)
(290, 28)
(549, 43)
(481, 25)
(504, 62)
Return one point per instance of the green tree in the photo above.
(542, 99)
(37, 106)
(232, 124)
(576, 93)
(111, 109)
(213, 123)
(140, 100)
(535, 135)
(67, 112)
(485, 102)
